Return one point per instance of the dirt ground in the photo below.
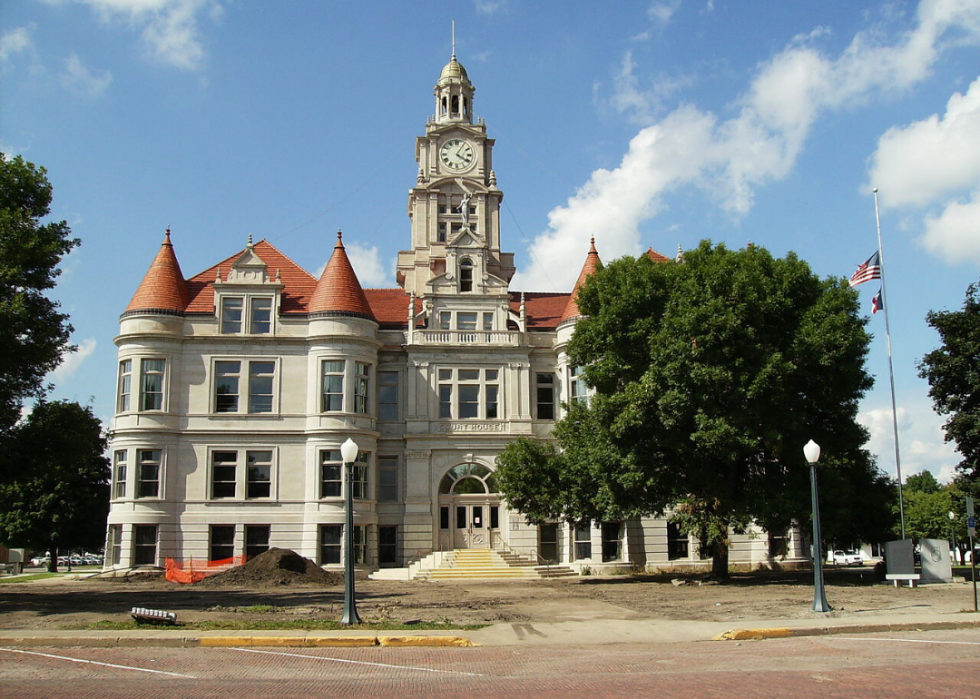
(757, 596)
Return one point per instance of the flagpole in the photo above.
(891, 372)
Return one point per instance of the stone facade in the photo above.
(236, 388)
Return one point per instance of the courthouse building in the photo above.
(237, 386)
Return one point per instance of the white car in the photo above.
(847, 558)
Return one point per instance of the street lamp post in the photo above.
(812, 453)
(952, 533)
(348, 452)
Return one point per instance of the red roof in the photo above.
(298, 284)
(163, 287)
(592, 263)
(338, 290)
(656, 256)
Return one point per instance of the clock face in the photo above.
(456, 154)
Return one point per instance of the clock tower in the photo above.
(455, 204)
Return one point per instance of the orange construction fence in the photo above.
(192, 571)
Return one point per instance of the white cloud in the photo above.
(662, 11)
(14, 42)
(730, 159)
(922, 445)
(77, 78)
(169, 28)
(489, 7)
(923, 162)
(71, 362)
(936, 162)
(368, 266)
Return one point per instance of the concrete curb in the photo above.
(174, 641)
(761, 634)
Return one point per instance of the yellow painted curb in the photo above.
(341, 641)
(433, 641)
(753, 634)
(224, 641)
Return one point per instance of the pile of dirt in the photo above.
(273, 568)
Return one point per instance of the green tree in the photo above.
(923, 482)
(953, 372)
(33, 333)
(59, 497)
(709, 375)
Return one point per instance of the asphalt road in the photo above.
(923, 665)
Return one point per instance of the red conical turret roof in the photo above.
(338, 290)
(656, 256)
(592, 263)
(163, 287)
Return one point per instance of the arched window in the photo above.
(444, 105)
(455, 109)
(466, 275)
(467, 479)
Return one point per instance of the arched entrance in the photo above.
(469, 508)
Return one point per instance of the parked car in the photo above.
(847, 558)
(40, 561)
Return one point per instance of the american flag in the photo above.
(871, 269)
(876, 303)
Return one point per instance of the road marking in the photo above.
(96, 662)
(357, 662)
(905, 640)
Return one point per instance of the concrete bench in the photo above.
(899, 577)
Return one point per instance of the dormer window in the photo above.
(466, 276)
(233, 317)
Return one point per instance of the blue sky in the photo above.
(644, 124)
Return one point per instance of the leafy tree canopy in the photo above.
(33, 333)
(710, 375)
(923, 482)
(953, 372)
(59, 497)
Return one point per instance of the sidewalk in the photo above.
(597, 631)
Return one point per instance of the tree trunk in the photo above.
(53, 563)
(719, 559)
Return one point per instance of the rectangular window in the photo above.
(548, 542)
(445, 320)
(494, 517)
(545, 396)
(359, 480)
(261, 377)
(114, 544)
(387, 479)
(332, 386)
(330, 474)
(444, 517)
(583, 541)
(387, 545)
(227, 375)
(256, 539)
(145, 544)
(231, 315)
(224, 474)
(258, 483)
(488, 321)
(151, 382)
(125, 385)
(612, 541)
(467, 394)
(360, 545)
(387, 395)
(222, 542)
(580, 392)
(778, 544)
(149, 474)
(119, 474)
(678, 545)
(441, 235)
(466, 321)
(330, 538)
(361, 387)
(261, 317)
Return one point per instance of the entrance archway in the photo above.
(469, 508)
